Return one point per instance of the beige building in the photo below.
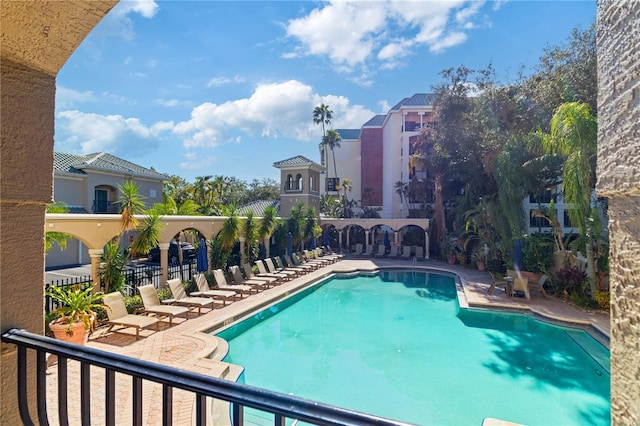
(89, 184)
(37, 38)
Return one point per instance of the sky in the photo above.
(197, 88)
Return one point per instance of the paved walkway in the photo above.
(185, 346)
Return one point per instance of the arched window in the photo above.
(299, 182)
(289, 183)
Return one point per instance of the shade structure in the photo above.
(289, 243)
(202, 258)
(313, 241)
(517, 257)
(386, 239)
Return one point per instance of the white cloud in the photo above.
(90, 132)
(66, 98)
(274, 110)
(171, 102)
(146, 8)
(221, 81)
(353, 34)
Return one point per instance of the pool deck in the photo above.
(185, 346)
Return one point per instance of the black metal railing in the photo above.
(238, 395)
(134, 276)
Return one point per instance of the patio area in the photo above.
(185, 346)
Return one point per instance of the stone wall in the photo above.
(619, 179)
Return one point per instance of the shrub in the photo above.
(583, 301)
(132, 303)
(603, 299)
(571, 280)
(537, 253)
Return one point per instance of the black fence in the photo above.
(135, 275)
(278, 406)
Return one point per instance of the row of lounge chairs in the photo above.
(406, 253)
(205, 297)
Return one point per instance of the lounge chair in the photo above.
(393, 252)
(359, 249)
(180, 297)
(152, 304)
(294, 262)
(382, 251)
(406, 252)
(496, 282)
(259, 285)
(328, 252)
(117, 314)
(272, 268)
(368, 252)
(522, 284)
(312, 257)
(419, 253)
(221, 283)
(269, 281)
(289, 267)
(205, 291)
(539, 285)
(263, 272)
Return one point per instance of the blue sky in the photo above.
(228, 87)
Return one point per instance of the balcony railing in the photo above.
(238, 395)
(102, 206)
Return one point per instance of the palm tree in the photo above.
(322, 115)
(251, 231)
(402, 189)
(131, 203)
(311, 226)
(59, 238)
(574, 135)
(332, 140)
(268, 224)
(296, 223)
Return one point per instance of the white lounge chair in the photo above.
(406, 252)
(205, 291)
(221, 283)
(264, 272)
(180, 297)
(259, 285)
(152, 304)
(382, 251)
(117, 314)
(270, 281)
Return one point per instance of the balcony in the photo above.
(205, 388)
(105, 207)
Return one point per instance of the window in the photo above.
(101, 202)
(567, 221)
(537, 222)
(332, 184)
(299, 182)
(152, 193)
(543, 198)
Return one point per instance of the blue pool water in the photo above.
(397, 345)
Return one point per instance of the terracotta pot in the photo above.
(78, 335)
(481, 266)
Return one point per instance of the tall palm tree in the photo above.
(296, 224)
(268, 224)
(311, 226)
(322, 115)
(250, 230)
(574, 135)
(131, 203)
(332, 140)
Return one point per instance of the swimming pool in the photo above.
(397, 344)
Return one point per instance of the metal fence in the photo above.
(135, 275)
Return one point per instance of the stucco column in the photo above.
(243, 255)
(396, 239)
(366, 238)
(96, 256)
(267, 246)
(619, 179)
(164, 262)
(36, 39)
(426, 244)
(348, 246)
(340, 240)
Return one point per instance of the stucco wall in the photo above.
(371, 164)
(619, 179)
(71, 191)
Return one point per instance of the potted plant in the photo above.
(480, 256)
(75, 317)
